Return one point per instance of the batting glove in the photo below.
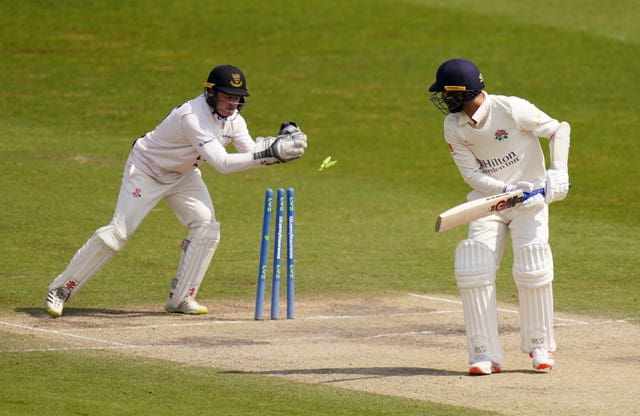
(557, 185)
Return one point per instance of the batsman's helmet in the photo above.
(228, 79)
(457, 81)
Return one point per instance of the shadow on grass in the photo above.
(370, 372)
(365, 372)
(89, 312)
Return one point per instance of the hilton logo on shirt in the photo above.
(489, 166)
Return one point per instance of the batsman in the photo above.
(494, 141)
(164, 164)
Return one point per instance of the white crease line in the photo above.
(456, 302)
(50, 331)
(390, 315)
(73, 349)
(400, 334)
(566, 321)
(309, 338)
(155, 326)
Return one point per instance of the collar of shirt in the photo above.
(478, 116)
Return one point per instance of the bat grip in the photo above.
(527, 195)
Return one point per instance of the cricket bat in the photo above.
(472, 210)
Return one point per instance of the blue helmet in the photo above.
(457, 81)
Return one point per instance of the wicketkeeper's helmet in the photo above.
(228, 79)
(457, 81)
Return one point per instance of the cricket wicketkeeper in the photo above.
(494, 142)
(163, 164)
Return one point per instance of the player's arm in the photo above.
(559, 134)
(267, 151)
(557, 185)
(469, 168)
(210, 148)
(542, 125)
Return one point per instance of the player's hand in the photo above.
(533, 202)
(281, 149)
(557, 185)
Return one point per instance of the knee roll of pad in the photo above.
(209, 233)
(475, 264)
(112, 236)
(533, 265)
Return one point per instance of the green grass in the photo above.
(88, 384)
(77, 90)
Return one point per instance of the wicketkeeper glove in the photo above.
(288, 127)
(281, 149)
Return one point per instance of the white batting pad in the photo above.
(87, 261)
(533, 274)
(475, 271)
(197, 252)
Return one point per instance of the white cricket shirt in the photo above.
(189, 136)
(502, 146)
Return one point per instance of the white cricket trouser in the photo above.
(189, 199)
(525, 227)
(532, 272)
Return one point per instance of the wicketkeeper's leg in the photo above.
(193, 207)
(197, 252)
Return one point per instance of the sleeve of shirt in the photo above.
(469, 167)
(242, 140)
(531, 118)
(212, 150)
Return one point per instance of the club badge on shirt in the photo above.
(501, 135)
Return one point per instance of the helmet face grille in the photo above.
(452, 102)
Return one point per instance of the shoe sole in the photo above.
(54, 312)
(477, 371)
(198, 312)
(542, 366)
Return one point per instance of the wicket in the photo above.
(277, 253)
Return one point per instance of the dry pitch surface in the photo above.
(408, 346)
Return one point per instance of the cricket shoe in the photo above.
(188, 306)
(542, 359)
(483, 366)
(55, 301)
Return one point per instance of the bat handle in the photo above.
(528, 195)
(540, 191)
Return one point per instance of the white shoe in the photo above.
(55, 301)
(542, 359)
(188, 306)
(484, 366)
